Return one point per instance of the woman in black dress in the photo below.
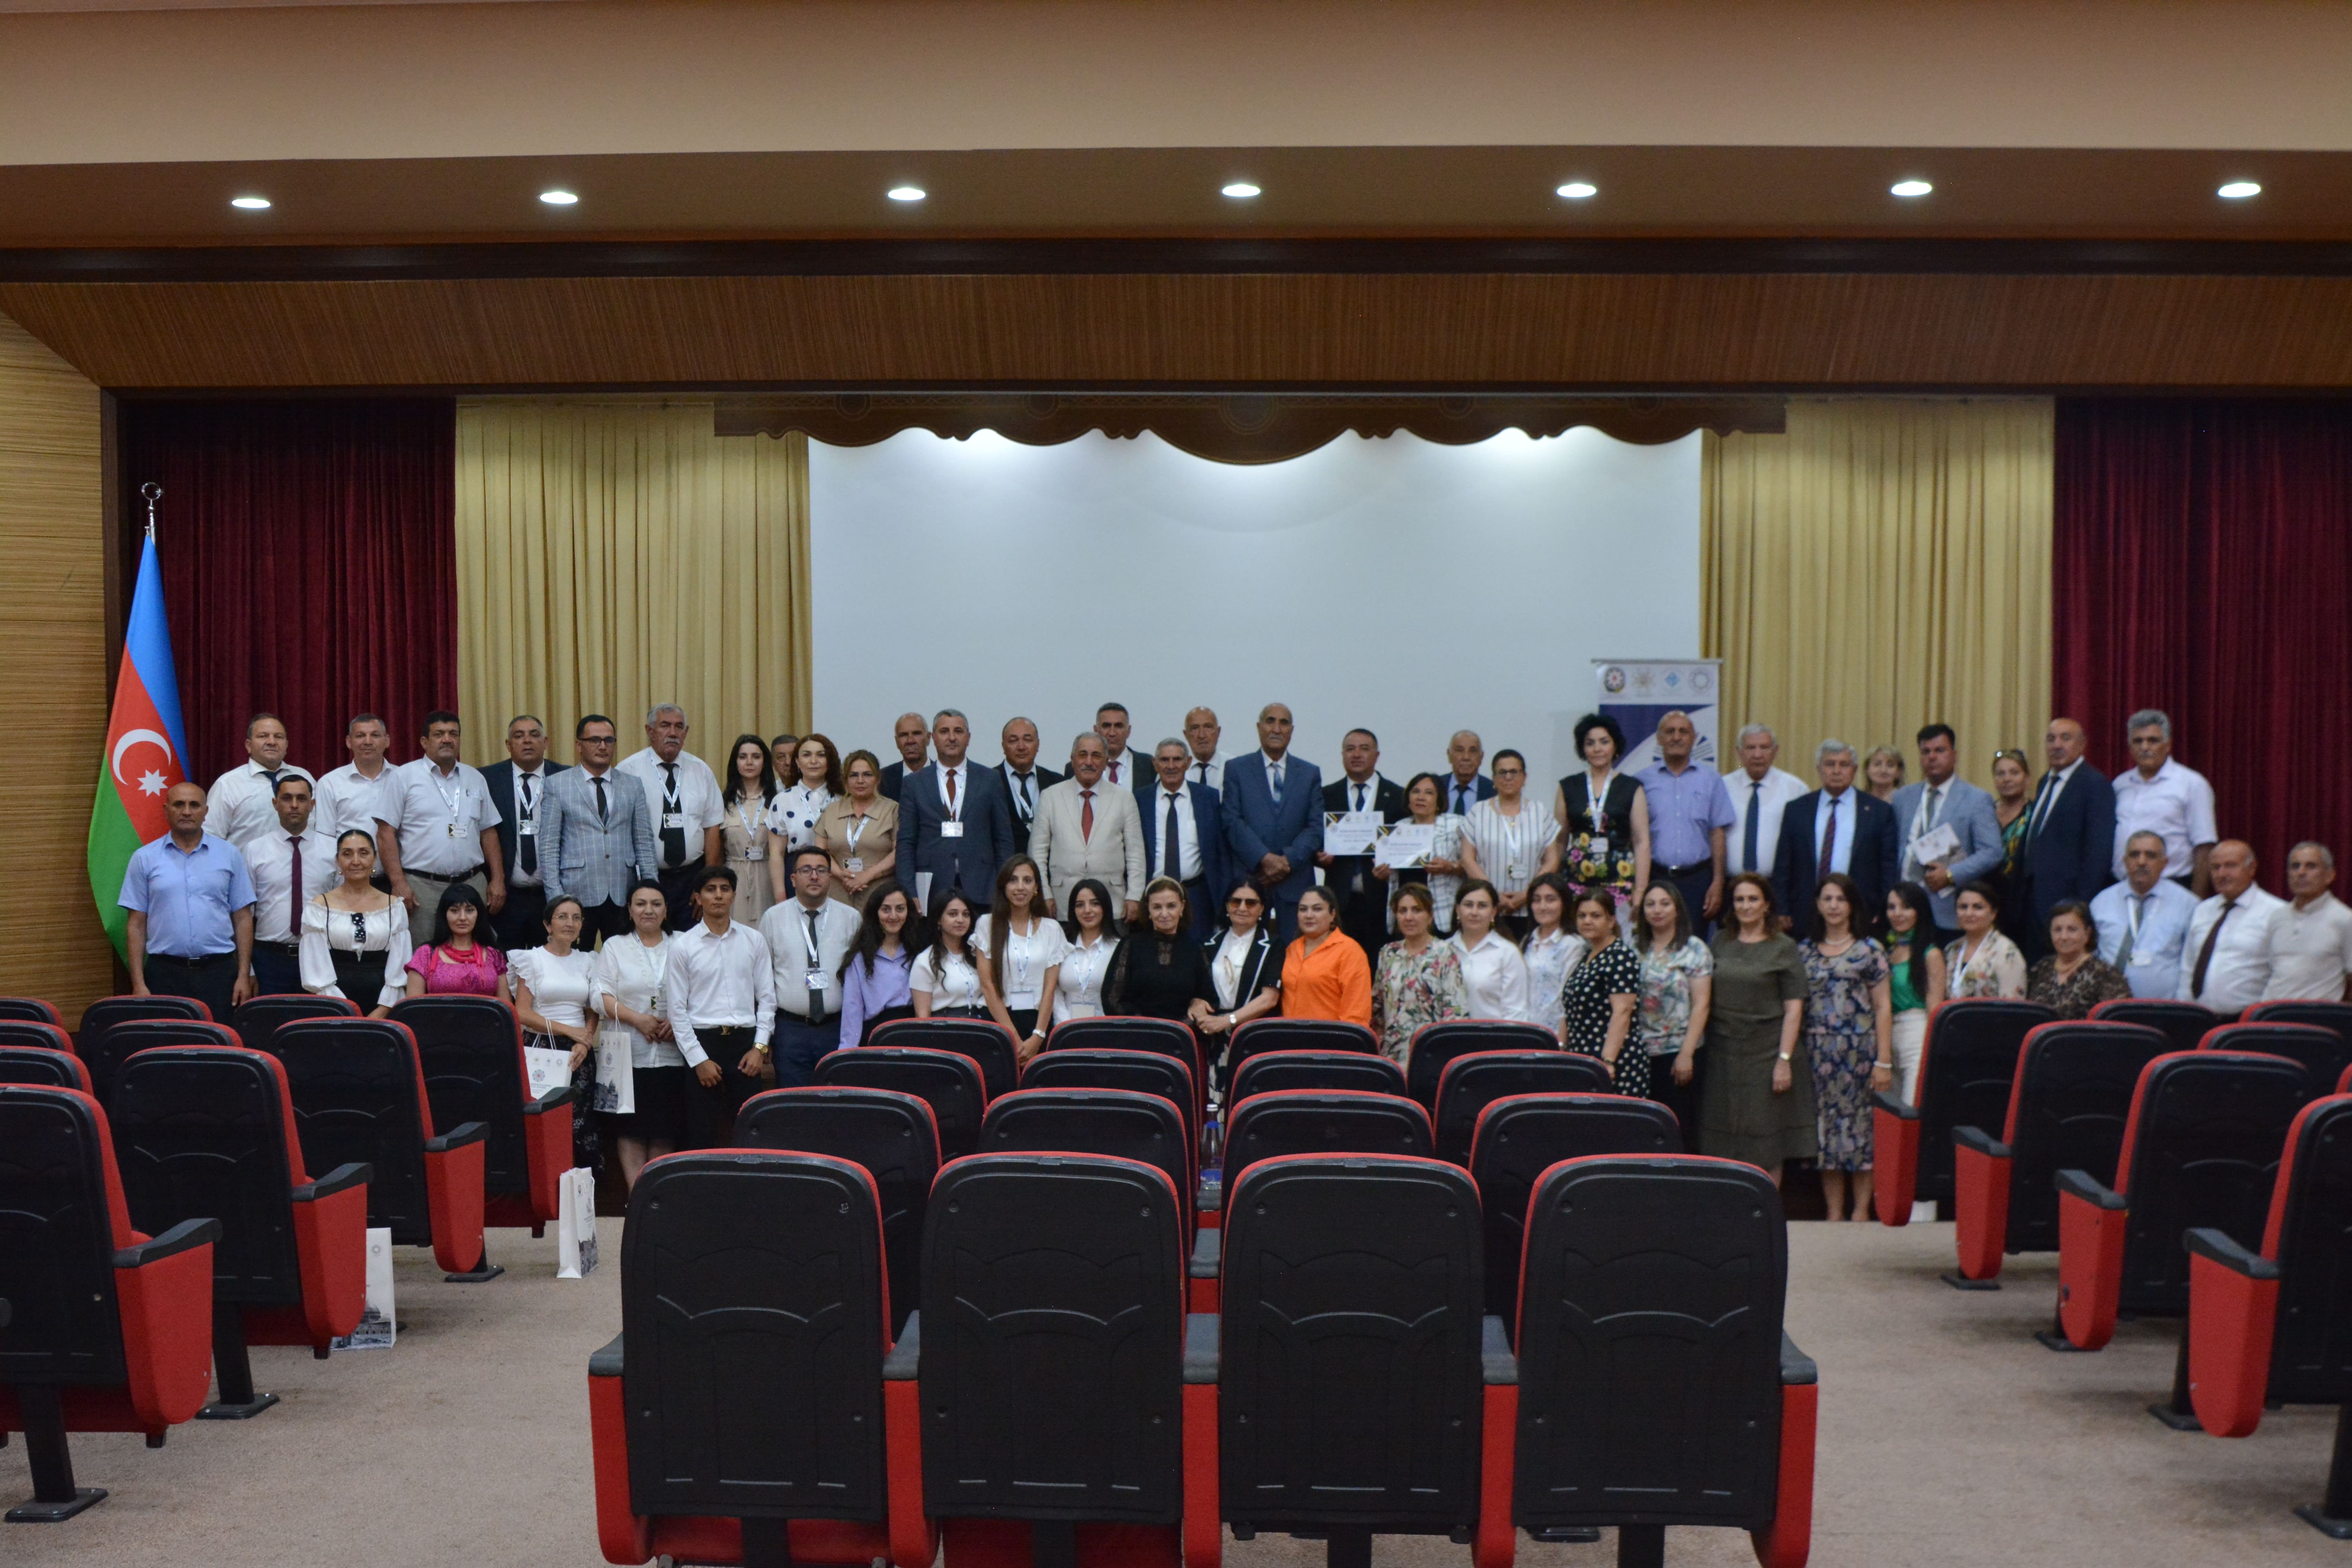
(1602, 992)
(1604, 819)
(1158, 971)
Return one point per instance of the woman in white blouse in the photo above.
(1493, 970)
(1983, 963)
(554, 985)
(945, 980)
(1510, 842)
(1077, 984)
(1441, 872)
(635, 1047)
(791, 820)
(1552, 950)
(1246, 969)
(1021, 947)
(749, 794)
(355, 938)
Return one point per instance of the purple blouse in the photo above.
(865, 996)
(448, 974)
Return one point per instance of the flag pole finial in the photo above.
(151, 492)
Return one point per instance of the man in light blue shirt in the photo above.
(189, 929)
(2143, 920)
(1937, 801)
(1689, 812)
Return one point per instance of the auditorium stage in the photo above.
(1948, 1435)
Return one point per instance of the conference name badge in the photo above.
(527, 829)
(670, 819)
(951, 830)
(855, 865)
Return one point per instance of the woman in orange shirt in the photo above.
(1325, 973)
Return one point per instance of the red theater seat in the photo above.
(2319, 1050)
(1473, 1082)
(947, 1081)
(1125, 1125)
(30, 1010)
(988, 1043)
(1520, 1137)
(94, 1041)
(1267, 1071)
(2182, 1023)
(40, 1054)
(1964, 1071)
(1435, 1046)
(258, 1020)
(470, 1050)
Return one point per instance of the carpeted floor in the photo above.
(1947, 1436)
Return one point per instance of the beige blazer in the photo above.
(1116, 853)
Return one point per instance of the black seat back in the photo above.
(1268, 1072)
(985, 1041)
(359, 1097)
(258, 1021)
(2319, 1050)
(61, 1217)
(1968, 1064)
(2183, 1023)
(472, 1050)
(1145, 1072)
(947, 1081)
(2201, 1148)
(1649, 1345)
(43, 1065)
(2310, 1238)
(2072, 1096)
(1053, 1340)
(1278, 1034)
(93, 1042)
(1520, 1138)
(1350, 1391)
(1118, 1123)
(1473, 1082)
(754, 1321)
(30, 1010)
(207, 1133)
(2336, 1016)
(1322, 1121)
(890, 1135)
(1165, 1035)
(1435, 1047)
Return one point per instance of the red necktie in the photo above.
(1829, 847)
(950, 790)
(1087, 816)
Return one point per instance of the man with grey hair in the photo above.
(1760, 792)
(955, 821)
(1836, 828)
(2143, 920)
(1090, 827)
(687, 808)
(2311, 939)
(2160, 796)
(1466, 786)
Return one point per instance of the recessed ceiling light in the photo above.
(558, 198)
(1909, 189)
(1241, 190)
(1577, 190)
(2239, 190)
(250, 204)
(908, 193)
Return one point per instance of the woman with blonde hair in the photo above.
(1882, 773)
(860, 831)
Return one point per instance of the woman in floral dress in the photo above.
(1602, 991)
(1849, 1039)
(1419, 979)
(1604, 820)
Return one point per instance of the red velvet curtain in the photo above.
(309, 565)
(2200, 563)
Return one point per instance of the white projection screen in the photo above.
(1410, 588)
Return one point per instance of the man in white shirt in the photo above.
(1363, 898)
(1125, 767)
(1089, 826)
(722, 1009)
(290, 867)
(687, 808)
(1760, 792)
(1184, 835)
(1207, 765)
(1464, 785)
(2143, 920)
(437, 826)
(2311, 939)
(238, 806)
(1024, 780)
(518, 789)
(2229, 943)
(2161, 797)
(347, 796)
(808, 935)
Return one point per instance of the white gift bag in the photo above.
(616, 1073)
(576, 1224)
(377, 1326)
(548, 1068)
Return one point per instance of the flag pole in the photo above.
(152, 493)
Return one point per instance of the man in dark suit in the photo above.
(517, 788)
(1363, 898)
(1195, 854)
(913, 739)
(2070, 836)
(1837, 827)
(1272, 808)
(1024, 780)
(1129, 769)
(1466, 786)
(955, 823)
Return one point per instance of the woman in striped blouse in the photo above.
(1509, 842)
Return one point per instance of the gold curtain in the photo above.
(614, 554)
(1883, 564)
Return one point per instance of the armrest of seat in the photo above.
(1797, 1368)
(2217, 1245)
(181, 1237)
(1895, 1106)
(2084, 1186)
(1983, 1143)
(562, 1094)
(1208, 1253)
(1201, 1537)
(1495, 1544)
(606, 1361)
(457, 1137)
(1200, 1347)
(904, 1362)
(1788, 1541)
(625, 1535)
(342, 1178)
(1498, 1364)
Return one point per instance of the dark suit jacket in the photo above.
(969, 862)
(2073, 855)
(499, 777)
(1388, 799)
(1872, 864)
(1137, 771)
(1208, 825)
(1256, 828)
(1041, 779)
(893, 778)
(1481, 786)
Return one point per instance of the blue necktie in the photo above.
(1748, 833)
(1274, 781)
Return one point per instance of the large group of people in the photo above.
(1760, 955)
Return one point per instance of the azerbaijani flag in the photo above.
(144, 744)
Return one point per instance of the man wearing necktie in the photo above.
(518, 789)
(1837, 827)
(291, 864)
(688, 808)
(239, 807)
(1363, 898)
(2070, 839)
(1206, 765)
(1024, 780)
(2143, 920)
(955, 821)
(1466, 786)
(1089, 826)
(596, 833)
(1183, 836)
(1942, 799)
(1273, 807)
(809, 934)
(2228, 937)
(1760, 792)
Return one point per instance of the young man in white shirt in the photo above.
(238, 806)
(2160, 796)
(289, 867)
(1760, 792)
(2311, 939)
(2227, 961)
(347, 797)
(687, 804)
(722, 1009)
(437, 826)
(808, 935)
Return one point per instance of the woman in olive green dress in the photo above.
(1756, 1099)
